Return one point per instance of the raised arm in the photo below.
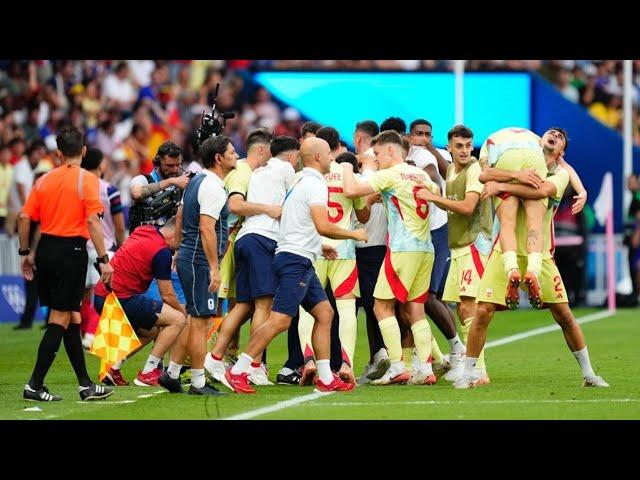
(351, 187)
(576, 183)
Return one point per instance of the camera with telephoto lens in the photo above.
(212, 124)
(163, 205)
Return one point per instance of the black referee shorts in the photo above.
(61, 263)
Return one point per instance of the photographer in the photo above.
(146, 188)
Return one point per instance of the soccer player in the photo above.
(406, 271)
(553, 293)
(204, 237)
(304, 219)
(470, 224)
(236, 184)
(518, 150)
(255, 249)
(436, 162)
(341, 273)
(369, 256)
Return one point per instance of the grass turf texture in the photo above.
(531, 378)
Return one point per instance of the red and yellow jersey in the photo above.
(339, 209)
(507, 139)
(407, 215)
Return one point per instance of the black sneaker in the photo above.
(41, 395)
(95, 392)
(171, 384)
(292, 379)
(206, 390)
(22, 327)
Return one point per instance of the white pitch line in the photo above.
(475, 402)
(106, 402)
(278, 406)
(550, 328)
(495, 343)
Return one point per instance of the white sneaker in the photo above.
(397, 374)
(465, 381)
(423, 375)
(87, 341)
(380, 367)
(594, 381)
(456, 367)
(364, 379)
(259, 375)
(214, 369)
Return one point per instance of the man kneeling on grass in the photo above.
(146, 255)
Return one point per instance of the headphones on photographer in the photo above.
(167, 148)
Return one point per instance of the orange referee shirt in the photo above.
(62, 200)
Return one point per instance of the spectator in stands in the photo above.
(563, 83)
(6, 175)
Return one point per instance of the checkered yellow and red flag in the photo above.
(114, 338)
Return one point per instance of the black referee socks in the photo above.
(47, 351)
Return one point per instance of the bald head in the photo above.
(316, 154)
(311, 147)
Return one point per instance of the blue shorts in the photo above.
(440, 240)
(154, 293)
(297, 284)
(141, 310)
(255, 276)
(195, 281)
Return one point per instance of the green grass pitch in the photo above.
(531, 378)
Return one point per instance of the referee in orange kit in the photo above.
(67, 204)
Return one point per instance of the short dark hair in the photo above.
(343, 143)
(329, 135)
(419, 121)
(35, 145)
(169, 149)
(92, 159)
(15, 140)
(369, 127)
(309, 127)
(460, 131)
(566, 136)
(259, 135)
(283, 143)
(394, 123)
(348, 157)
(69, 141)
(387, 136)
(211, 147)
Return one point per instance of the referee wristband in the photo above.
(24, 252)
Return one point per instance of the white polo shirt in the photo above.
(298, 234)
(211, 195)
(422, 158)
(376, 227)
(268, 185)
